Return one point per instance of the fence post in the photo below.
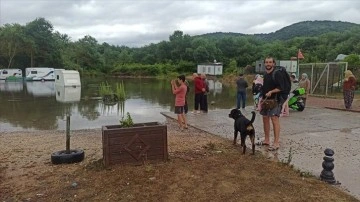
(327, 80)
(312, 78)
(68, 134)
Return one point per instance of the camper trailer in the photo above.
(67, 78)
(13, 73)
(39, 74)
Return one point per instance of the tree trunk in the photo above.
(11, 56)
(10, 60)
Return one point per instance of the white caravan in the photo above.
(5, 73)
(67, 78)
(39, 74)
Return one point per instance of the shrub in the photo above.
(126, 122)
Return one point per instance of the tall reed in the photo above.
(120, 91)
(105, 89)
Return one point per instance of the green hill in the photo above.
(308, 29)
(220, 35)
(300, 29)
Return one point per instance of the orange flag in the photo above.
(300, 55)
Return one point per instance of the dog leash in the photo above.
(262, 101)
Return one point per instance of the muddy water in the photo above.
(39, 106)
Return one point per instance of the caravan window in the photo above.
(33, 72)
(4, 72)
(57, 77)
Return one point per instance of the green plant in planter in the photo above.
(126, 122)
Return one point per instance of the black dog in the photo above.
(245, 127)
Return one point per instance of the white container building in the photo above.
(67, 78)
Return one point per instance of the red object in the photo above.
(300, 55)
(199, 85)
(180, 93)
(350, 84)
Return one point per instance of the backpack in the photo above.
(286, 77)
(257, 88)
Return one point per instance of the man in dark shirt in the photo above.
(272, 89)
(241, 91)
(199, 89)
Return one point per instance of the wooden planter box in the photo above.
(134, 145)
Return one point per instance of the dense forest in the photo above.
(37, 44)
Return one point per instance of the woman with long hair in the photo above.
(305, 83)
(349, 88)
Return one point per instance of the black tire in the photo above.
(60, 157)
(301, 106)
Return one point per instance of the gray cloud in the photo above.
(141, 22)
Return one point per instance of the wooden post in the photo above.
(327, 80)
(297, 68)
(312, 79)
(68, 134)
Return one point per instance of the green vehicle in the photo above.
(296, 101)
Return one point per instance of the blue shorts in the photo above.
(179, 109)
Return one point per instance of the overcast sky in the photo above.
(136, 23)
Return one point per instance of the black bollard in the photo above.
(327, 174)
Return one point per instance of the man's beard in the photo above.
(268, 68)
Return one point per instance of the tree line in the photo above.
(37, 44)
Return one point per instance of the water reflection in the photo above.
(44, 106)
(67, 94)
(117, 108)
(41, 89)
(11, 86)
(215, 86)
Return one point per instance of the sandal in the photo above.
(272, 148)
(261, 143)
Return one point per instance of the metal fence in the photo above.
(325, 77)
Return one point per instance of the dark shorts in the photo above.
(275, 111)
(179, 109)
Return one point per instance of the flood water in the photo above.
(44, 106)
